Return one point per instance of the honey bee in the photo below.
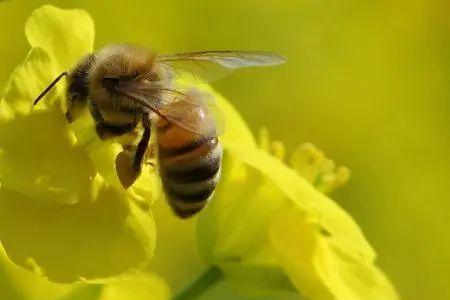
(129, 89)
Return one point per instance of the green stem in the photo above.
(203, 283)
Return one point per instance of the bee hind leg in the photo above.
(128, 166)
(143, 144)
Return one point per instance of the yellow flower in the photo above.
(61, 205)
(269, 229)
(65, 216)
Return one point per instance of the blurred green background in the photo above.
(366, 81)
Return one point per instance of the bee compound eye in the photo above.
(110, 82)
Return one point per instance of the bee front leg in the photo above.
(74, 107)
(78, 88)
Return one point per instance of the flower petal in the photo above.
(103, 155)
(136, 286)
(311, 227)
(38, 158)
(319, 267)
(176, 257)
(235, 225)
(316, 206)
(65, 34)
(101, 236)
(59, 38)
(257, 274)
(232, 232)
(18, 283)
(26, 82)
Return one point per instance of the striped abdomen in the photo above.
(189, 167)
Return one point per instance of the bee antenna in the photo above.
(50, 87)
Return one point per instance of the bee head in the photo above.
(117, 64)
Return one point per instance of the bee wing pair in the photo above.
(178, 105)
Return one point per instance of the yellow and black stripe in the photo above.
(189, 168)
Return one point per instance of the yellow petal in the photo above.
(235, 222)
(176, 257)
(17, 283)
(317, 207)
(59, 38)
(65, 34)
(137, 286)
(257, 273)
(38, 158)
(232, 232)
(96, 237)
(26, 82)
(145, 190)
(321, 248)
(321, 268)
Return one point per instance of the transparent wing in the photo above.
(229, 59)
(212, 65)
(190, 109)
(195, 111)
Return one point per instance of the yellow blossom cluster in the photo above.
(65, 217)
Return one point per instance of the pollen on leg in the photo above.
(124, 168)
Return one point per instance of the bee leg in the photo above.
(127, 176)
(69, 113)
(150, 156)
(128, 167)
(75, 106)
(78, 88)
(143, 144)
(103, 131)
(150, 163)
(151, 152)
